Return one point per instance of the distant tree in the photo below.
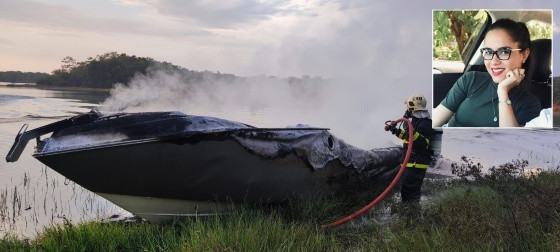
(68, 63)
(105, 70)
(21, 77)
(100, 72)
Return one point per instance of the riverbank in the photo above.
(502, 210)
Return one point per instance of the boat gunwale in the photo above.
(164, 138)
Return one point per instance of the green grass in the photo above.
(492, 213)
(243, 231)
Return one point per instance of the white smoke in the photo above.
(352, 112)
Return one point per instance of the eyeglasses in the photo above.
(503, 53)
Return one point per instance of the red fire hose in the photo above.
(389, 188)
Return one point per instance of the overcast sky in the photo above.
(376, 52)
(243, 37)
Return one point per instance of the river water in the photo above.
(33, 197)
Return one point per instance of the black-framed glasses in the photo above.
(503, 53)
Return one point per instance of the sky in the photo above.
(243, 37)
(377, 52)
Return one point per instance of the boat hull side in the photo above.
(220, 170)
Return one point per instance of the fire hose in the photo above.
(393, 183)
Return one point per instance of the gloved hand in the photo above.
(392, 127)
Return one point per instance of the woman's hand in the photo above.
(505, 110)
(513, 78)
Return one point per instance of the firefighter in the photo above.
(418, 163)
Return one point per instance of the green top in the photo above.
(474, 100)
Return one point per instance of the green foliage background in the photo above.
(446, 45)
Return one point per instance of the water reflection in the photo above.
(84, 95)
(91, 96)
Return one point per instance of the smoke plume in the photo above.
(352, 112)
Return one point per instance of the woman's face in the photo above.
(497, 68)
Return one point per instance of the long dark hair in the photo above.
(520, 34)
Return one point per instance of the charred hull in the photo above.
(164, 164)
(208, 170)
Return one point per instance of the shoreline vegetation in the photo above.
(21, 77)
(107, 70)
(508, 209)
(104, 71)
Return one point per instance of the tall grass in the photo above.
(243, 230)
(498, 212)
(493, 212)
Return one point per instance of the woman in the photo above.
(498, 97)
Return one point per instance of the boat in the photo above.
(161, 165)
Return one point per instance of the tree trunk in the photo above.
(458, 30)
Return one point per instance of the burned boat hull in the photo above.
(209, 170)
(160, 165)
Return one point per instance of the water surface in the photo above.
(32, 196)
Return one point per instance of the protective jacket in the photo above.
(420, 157)
(423, 134)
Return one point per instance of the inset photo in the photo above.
(492, 68)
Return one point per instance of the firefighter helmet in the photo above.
(416, 102)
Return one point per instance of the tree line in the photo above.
(21, 77)
(110, 68)
(100, 72)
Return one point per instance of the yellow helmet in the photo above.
(416, 102)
